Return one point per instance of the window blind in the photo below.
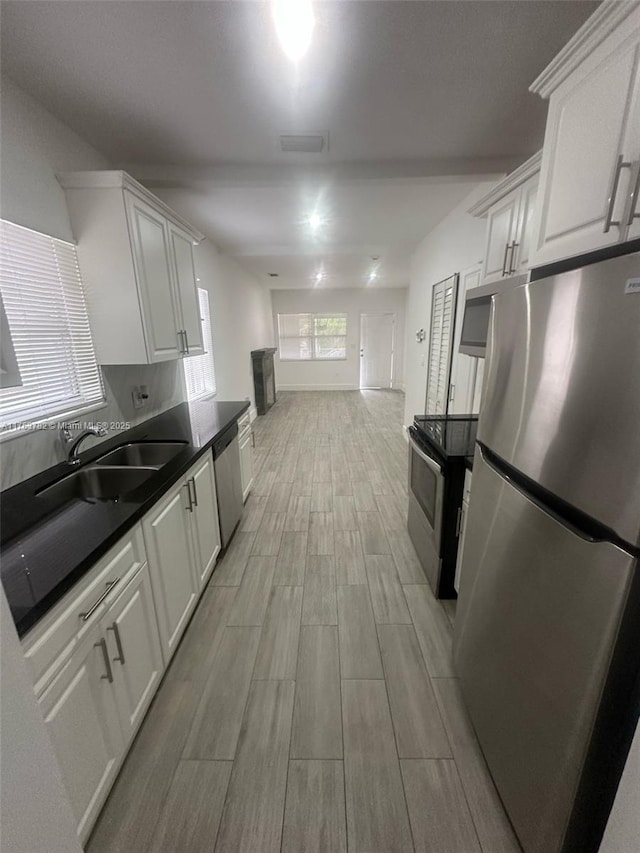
(47, 319)
(199, 370)
(306, 337)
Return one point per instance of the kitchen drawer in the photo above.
(244, 422)
(53, 639)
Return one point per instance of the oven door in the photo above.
(424, 523)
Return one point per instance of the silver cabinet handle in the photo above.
(634, 198)
(188, 488)
(96, 604)
(186, 340)
(253, 439)
(180, 341)
(102, 644)
(116, 634)
(620, 165)
(195, 491)
(504, 260)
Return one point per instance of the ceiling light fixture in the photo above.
(319, 277)
(294, 22)
(315, 221)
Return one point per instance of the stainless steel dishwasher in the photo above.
(226, 462)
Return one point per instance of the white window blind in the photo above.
(199, 370)
(443, 306)
(305, 337)
(46, 314)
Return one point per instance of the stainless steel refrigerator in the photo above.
(547, 635)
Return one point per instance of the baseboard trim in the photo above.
(318, 388)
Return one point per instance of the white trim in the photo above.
(345, 387)
(512, 181)
(598, 27)
(253, 413)
(117, 179)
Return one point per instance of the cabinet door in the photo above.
(246, 464)
(152, 260)
(502, 226)
(464, 512)
(131, 631)
(166, 534)
(521, 258)
(585, 136)
(186, 289)
(204, 519)
(82, 720)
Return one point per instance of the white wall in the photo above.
(454, 245)
(35, 814)
(240, 320)
(338, 375)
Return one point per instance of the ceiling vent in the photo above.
(304, 143)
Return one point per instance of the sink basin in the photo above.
(151, 454)
(100, 483)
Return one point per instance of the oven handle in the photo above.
(430, 462)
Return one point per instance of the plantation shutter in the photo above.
(443, 308)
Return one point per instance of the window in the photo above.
(305, 337)
(199, 370)
(52, 370)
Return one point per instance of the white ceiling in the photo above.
(419, 99)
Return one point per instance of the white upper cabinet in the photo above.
(510, 210)
(591, 157)
(136, 259)
(189, 319)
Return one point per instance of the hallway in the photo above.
(312, 705)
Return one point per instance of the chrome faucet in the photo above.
(72, 442)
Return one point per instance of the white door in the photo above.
(586, 134)
(502, 227)
(204, 518)
(246, 462)
(376, 350)
(131, 632)
(81, 716)
(175, 589)
(152, 260)
(187, 290)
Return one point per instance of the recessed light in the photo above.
(294, 22)
(315, 221)
(273, 274)
(319, 276)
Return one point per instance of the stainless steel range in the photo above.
(440, 448)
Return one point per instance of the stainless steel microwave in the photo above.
(477, 314)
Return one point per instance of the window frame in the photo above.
(313, 338)
(207, 341)
(13, 424)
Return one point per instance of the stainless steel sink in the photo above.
(151, 454)
(100, 483)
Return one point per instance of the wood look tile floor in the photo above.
(312, 703)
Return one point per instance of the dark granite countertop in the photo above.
(46, 548)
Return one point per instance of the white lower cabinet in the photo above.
(204, 518)
(98, 657)
(175, 587)
(183, 539)
(133, 645)
(245, 442)
(462, 527)
(81, 715)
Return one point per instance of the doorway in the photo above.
(377, 342)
